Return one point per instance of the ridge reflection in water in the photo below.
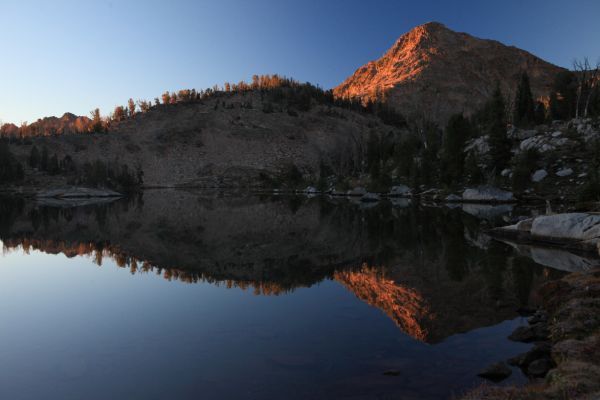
(447, 295)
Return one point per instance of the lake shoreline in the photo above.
(573, 343)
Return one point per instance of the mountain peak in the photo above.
(434, 71)
(432, 26)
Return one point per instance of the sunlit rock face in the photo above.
(435, 72)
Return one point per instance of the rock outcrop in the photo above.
(579, 231)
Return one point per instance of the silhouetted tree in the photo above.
(524, 109)
(44, 160)
(11, 169)
(496, 126)
(53, 165)
(457, 132)
(34, 157)
(563, 96)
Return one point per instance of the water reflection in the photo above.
(432, 271)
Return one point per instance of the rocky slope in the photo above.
(228, 140)
(434, 71)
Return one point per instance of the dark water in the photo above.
(178, 295)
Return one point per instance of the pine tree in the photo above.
(524, 109)
(34, 157)
(496, 126)
(44, 160)
(131, 107)
(457, 132)
(96, 125)
(563, 96)
(53, 165)
(473, 172)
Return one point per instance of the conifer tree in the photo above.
(496, 126)
(457, 132)
(96, 125)
(524, 108)
(44, 160)
(34, 157)
(131, 107)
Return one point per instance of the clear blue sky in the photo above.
(75, 55)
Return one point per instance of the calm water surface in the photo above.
(178, 295)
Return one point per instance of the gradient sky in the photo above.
(74, 56)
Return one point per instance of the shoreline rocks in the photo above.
(568, 360)
(496, 372)
(577, 231)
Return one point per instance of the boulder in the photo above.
(570, 226)
(539, 143)
(539, 175)
(452, 198)
(400, 190)
(524, 225)
(540, 350)
(564, 172)
(531, 333)
(370, 198)
(505, 172)
(479, 145)
(496, 372)
(539, 368)
(311, 190)
(487, 211)
(487, 194)
(576, 231)
(357, 191)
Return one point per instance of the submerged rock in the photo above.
(496, 372)
(540, 350)
(532, 333)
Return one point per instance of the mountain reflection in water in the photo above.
(432, 271)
